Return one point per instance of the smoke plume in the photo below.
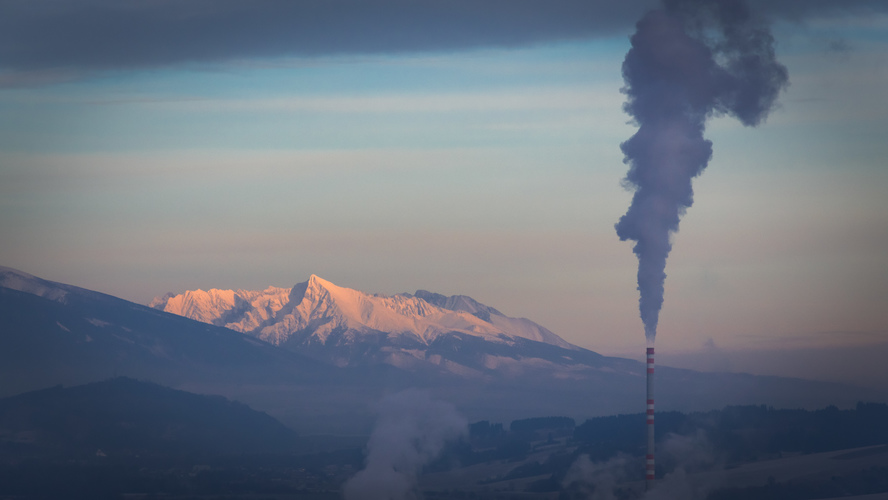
(690, 60)
(411, 430)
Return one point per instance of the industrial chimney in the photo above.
(649, 457)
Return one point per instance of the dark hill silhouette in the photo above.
(125, 417)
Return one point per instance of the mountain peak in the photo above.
(316, 280)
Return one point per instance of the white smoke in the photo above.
(698, 469)
(596, 480)
(696, 473)
(411, 430)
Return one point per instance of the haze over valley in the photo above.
(318, 355)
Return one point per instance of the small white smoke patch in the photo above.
(411, 430)
(698, 468)
(691, 452)
(596, 480)
(696, 472)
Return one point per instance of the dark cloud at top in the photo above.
(102, 34)
(798, 10)
(52, 37)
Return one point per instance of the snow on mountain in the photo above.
(24, 282)
(521, 327)
(241, 310)
(312, 311)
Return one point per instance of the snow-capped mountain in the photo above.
(412, 331)
(319, 312)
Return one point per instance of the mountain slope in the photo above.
(126, 417)
(55, 333)
(521, 327)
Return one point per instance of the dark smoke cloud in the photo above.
(46, 37)
(690, 60)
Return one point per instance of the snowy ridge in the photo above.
(312, 311)
(521, 327)
(252, 308)
(24, 282)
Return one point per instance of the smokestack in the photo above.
(649, 457)
(690, 60)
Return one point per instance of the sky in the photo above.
(459, 147)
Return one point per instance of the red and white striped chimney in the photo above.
(649, 462)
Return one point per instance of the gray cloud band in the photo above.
(104, 34)
(87, 35)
